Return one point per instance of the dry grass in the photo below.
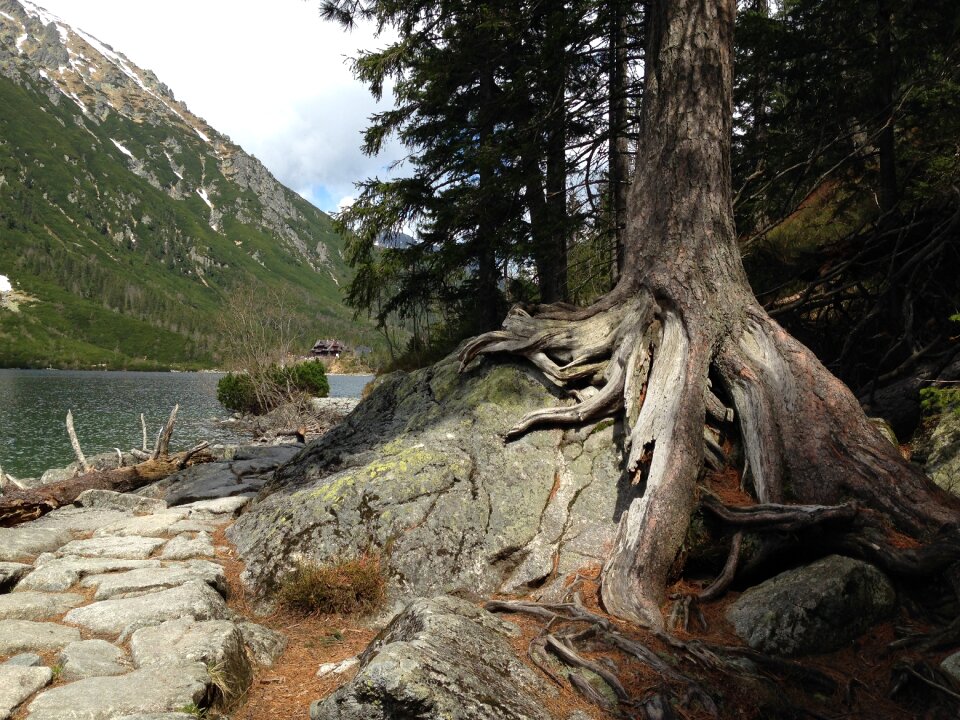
(285, 690)
(349, 587)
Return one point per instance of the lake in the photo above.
(106, 412)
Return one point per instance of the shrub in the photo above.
(311, 378)
(262, 392)
(347, 587)
(236, 392)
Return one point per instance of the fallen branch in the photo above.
(75, 443)
(21, 505)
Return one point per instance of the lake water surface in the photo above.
(106, 412)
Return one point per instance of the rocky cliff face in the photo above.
(102, 167)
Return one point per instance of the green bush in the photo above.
(236, 392)
(311, 378)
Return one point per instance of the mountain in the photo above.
(128, 224)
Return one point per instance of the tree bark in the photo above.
(683, 316)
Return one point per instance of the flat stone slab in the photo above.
(37, 605)
(17, 636)
(11, 573)
(127, 502)
(76, 519)
(159, 716)
(183, 547)
(813, 609)
(123, 548)
(17, 683)
(195, 599)
(58, 574)
(28, 541)
(149, 580)
(92, 658)
(25, 660)
(220, 506)
(150, 690)
(205, 482)
(215, 643)
(154, 525)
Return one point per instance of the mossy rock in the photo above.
(420, 474)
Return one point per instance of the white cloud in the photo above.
(273, 77)
(345, 202)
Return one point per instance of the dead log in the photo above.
(19, 506)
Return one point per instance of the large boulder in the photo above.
(420, 472)
(440, 659)
(943, 460)
(813, 609)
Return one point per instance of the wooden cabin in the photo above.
(327, 349)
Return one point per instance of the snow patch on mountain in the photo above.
(122, 149)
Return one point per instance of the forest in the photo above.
(521, 122)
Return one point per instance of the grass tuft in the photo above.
(347, 587)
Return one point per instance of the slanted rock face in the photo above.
(440, 658)
(419, 472)
(814, 609)
(943, 463)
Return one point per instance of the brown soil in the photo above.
(863, 671)
(285, 690)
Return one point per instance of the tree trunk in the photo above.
(683, 317)
(617, 148)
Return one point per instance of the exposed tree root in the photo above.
(812, 457)
(570, 623)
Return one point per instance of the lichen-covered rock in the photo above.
(420, 471)
(813, 609)
(943, 460)
(439, 659)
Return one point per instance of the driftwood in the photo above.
(18, 506)
(25, 504)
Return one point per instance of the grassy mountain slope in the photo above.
(129, 221)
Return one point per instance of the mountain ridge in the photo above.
(131, 214)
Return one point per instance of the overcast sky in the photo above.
(271, 75)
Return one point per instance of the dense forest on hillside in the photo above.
(521, 122)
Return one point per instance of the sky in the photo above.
(271, 75)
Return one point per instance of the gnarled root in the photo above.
(808, 446)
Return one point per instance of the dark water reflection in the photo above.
(106, 409)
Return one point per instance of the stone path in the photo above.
(114, 609)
